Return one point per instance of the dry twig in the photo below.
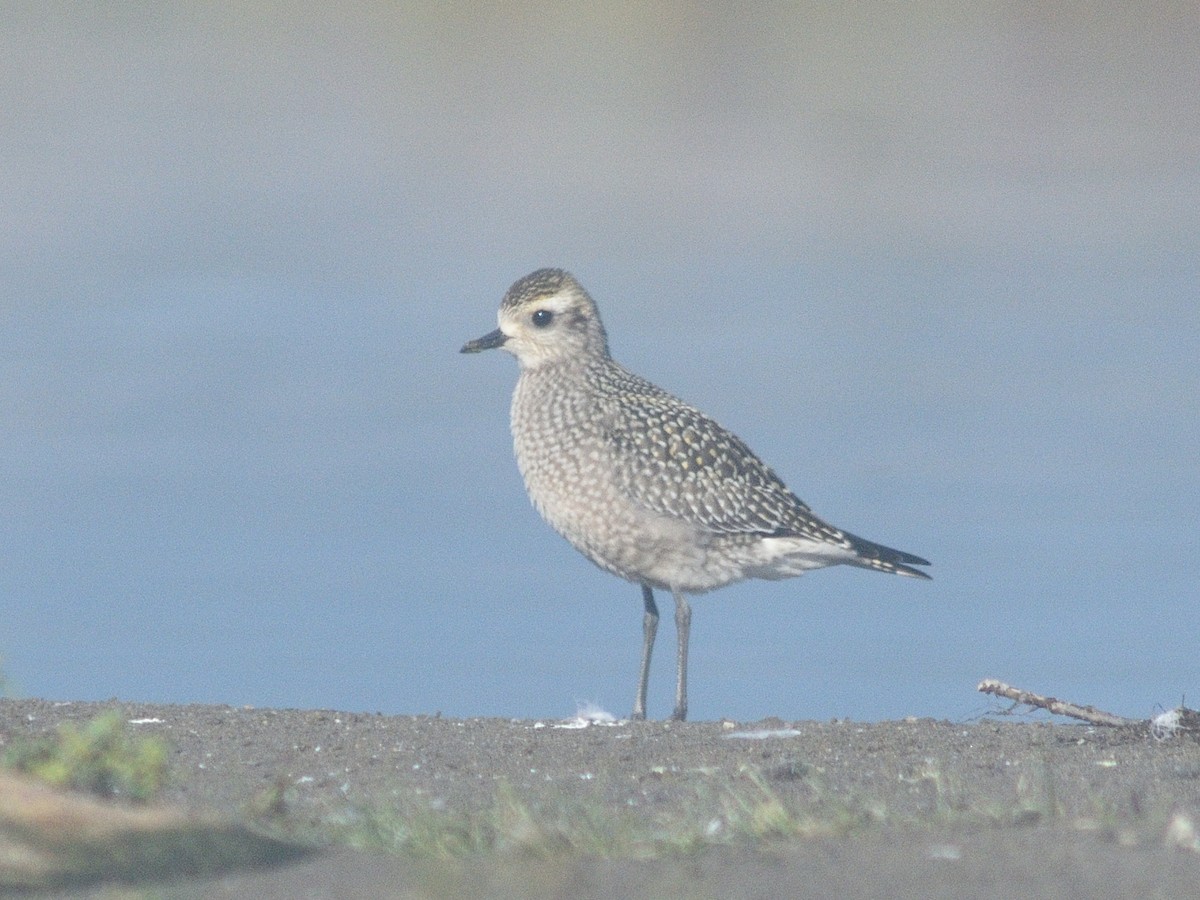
(1088, 714)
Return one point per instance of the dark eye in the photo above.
(542, 318)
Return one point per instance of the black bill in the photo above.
(489, 341)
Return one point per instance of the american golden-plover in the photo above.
(642, 484)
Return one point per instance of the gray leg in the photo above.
(649, 630)
(683, 624)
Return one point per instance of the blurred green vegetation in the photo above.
(100, 757)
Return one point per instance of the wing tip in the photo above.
(886, 559)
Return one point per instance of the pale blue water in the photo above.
(940, 273)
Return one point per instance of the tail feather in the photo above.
(885, 559)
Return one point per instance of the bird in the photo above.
(645, 486)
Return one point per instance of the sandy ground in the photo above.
(936, 809)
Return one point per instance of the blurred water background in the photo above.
(936, 263)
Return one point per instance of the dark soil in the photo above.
(897, 809)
